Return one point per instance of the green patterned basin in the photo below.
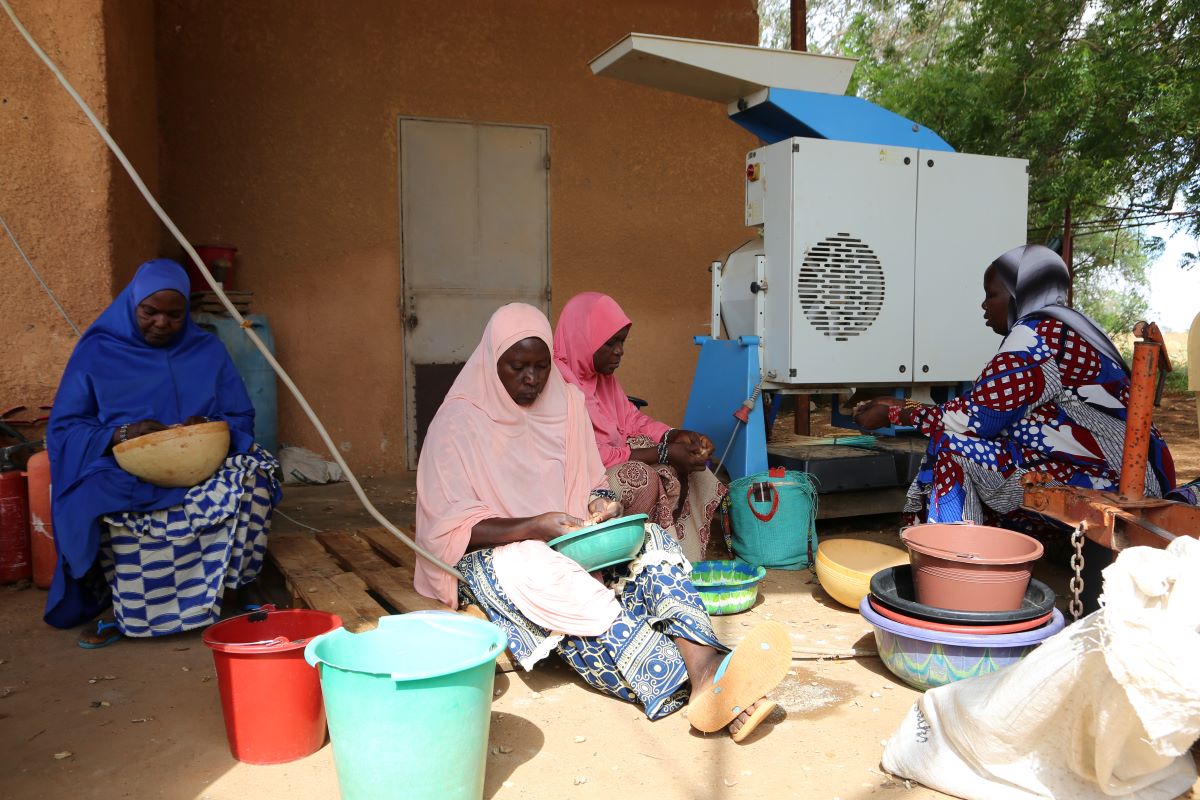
(925, 659)
(727, 587)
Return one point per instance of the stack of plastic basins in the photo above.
(966, 606)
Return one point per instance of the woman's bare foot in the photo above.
(744, 717)
(702, 663)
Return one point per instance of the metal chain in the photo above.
(1076, 605)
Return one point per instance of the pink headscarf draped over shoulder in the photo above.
(485, 456)
(587, 321)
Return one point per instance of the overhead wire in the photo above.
(230, 309)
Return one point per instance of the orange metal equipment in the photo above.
(1129, 518)
(41, 527)
(1138, 414)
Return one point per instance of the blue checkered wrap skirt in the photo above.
(168, 568)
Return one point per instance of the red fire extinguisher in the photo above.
(16, 561)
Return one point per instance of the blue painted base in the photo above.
(726, 374)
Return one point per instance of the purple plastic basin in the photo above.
(924, 659)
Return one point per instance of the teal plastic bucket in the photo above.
(409, 704)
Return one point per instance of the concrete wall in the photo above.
(278, 125)
(54, 193)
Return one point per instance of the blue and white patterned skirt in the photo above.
(168, 568)
(635, 659)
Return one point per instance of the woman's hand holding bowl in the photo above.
(135, 429)
(553, 524)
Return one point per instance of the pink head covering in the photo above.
(485, 456)
(587, 321)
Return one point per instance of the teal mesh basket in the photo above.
(773, 515)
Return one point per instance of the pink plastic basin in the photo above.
(970, 567)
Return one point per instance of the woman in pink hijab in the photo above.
(655, 469)
(510, 463)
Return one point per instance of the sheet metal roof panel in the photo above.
(719, 71)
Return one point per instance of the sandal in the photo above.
(101, 626)
(754, 668)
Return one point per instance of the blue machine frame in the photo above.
(728, 373)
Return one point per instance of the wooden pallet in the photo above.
(360, 575)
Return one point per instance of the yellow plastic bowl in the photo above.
(845, 567)
(177, 457)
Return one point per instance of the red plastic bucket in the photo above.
(270, 696)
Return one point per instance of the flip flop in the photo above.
(754, 668)
(765, 707)
(101, 627)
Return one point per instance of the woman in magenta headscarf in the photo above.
(654, 469)
(510, 463)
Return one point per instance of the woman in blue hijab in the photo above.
(162, 557)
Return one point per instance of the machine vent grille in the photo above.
(841, 286)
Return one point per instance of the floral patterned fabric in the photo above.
(654, 490)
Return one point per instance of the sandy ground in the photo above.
(142, 719)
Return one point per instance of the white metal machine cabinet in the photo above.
(872, 255)
(870, 236)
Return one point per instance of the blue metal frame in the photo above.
(814, 115)
(727, 373)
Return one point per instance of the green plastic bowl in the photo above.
(606, 544)
(727, 587)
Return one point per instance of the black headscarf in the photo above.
(1037, 281)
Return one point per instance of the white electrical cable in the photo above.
(37, 275)
(277, 512)
(233, 312)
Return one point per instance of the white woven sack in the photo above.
(1106, 708)
(301, 465)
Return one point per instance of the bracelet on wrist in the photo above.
(607, 494)
(662, 452)
(123, 433)
(666, 437)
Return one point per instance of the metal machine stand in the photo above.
(726, 374)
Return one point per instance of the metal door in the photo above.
(474, 221)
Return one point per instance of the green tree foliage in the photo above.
(1101, 96)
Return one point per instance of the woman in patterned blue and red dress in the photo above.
(1052, 400)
